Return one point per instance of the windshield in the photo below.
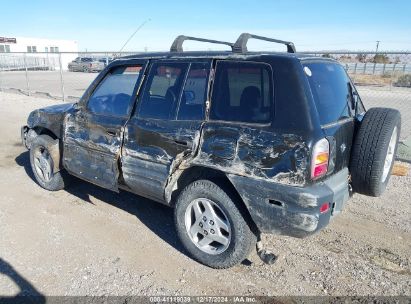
(331, 89)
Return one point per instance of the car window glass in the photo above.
(162, 90)
(113, 94)
(194, 92)
(243, 91)
(330, 87)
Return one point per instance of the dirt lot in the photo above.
(89, 241)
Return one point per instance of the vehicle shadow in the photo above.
(27, 294)
(157, 217)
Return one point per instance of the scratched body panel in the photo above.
(153, 149)
(253, 151)
(89, 151)
(50, 118)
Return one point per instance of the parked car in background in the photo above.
(105, 60)
(86, 64)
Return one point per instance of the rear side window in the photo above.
(113, 96)
(194, 92)
(331, 90)
(243, 91)
(162, 90)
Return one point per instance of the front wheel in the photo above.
(42, 165)
(211, 226)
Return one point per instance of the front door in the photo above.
(93, 134)
(167, 124)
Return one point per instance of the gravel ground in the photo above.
(90, 241)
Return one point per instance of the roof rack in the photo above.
(240, 45)
(177, 45)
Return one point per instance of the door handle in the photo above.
(181, 142)
(111, 132)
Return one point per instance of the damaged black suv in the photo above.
(239, 143)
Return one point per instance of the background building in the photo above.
(36, 53)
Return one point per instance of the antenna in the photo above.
(132, 35)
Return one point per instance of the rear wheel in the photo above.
(374, 150)
(42, 165)
(211, 226)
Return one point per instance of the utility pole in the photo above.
(378, 44)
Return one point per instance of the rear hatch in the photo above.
(332, 93)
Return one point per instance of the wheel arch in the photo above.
(40, 130)
(54, 147)
(193, 173)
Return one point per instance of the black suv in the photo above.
(239, 143)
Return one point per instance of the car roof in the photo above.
(223, 55)
(239, 50)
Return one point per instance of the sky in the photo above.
(311, 25)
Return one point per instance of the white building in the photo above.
(36, 52)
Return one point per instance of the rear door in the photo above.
(238, 137)
(166, 126)
(93, 135)
(332, 92)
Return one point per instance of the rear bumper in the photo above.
(288, 210)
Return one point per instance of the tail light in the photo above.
(319, 162)
(324, 207)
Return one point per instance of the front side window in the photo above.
(162, 90)
(243, 92)
(113, 96)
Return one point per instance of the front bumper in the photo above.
(23, 133)
(27, 136)
(289, 210)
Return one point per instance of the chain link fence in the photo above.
(382, 79)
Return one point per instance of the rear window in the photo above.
(331, 90)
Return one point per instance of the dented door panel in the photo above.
(153, 149)
(93, 140)
(92, 146)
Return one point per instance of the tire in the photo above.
(240, 238)
(374, 150)
(52, 181)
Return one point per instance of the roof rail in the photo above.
(177, 45)
(240, 46)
